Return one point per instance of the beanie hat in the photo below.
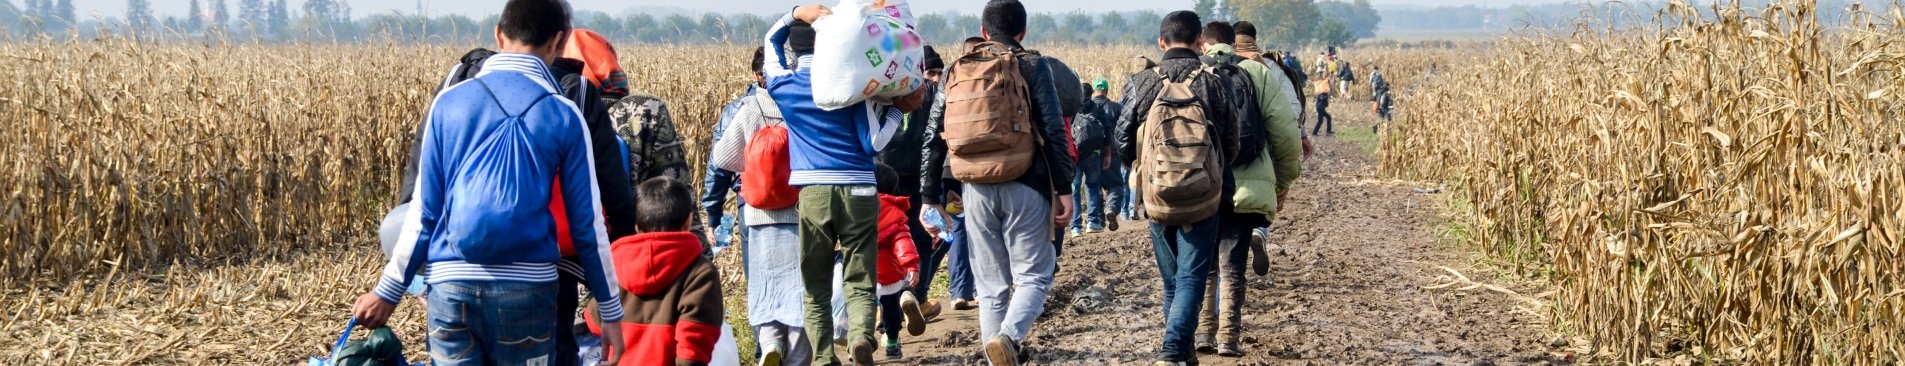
(933, 62)
(800, 37)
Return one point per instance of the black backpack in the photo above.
(1252, 136)
(1088, 129)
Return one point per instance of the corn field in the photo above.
(196, 194)
(1724, 183)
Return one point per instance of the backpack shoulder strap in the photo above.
(499, 101)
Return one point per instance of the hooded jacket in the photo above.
(1281, 162)
(672, 295)
(896, 240)
(1052, 167)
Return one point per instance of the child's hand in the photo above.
(912, 279)
(811, 13)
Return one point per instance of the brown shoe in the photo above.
(1002, 351)
(930, 309)
(915, 319)
(862, 353)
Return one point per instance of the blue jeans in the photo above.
(478, 323)
(1185, 255)
(1087, 196)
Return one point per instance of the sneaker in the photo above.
(930, 309)
(1075, 233)
(1204, 344)
(965, 304)
(1230, 350)
(771, 356)
(863, 353)
(1095, 230)
(1167, 363)
(893, 349)
(1002, 351)
(915, 320)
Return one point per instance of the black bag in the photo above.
(1252, 135)
(1088, 129)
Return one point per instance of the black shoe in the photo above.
(893, 351)
(1231, 350)
(1203, 344)
(1112, 223)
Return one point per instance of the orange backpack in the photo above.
(769, 168)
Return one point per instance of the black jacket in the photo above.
(907, 149)
(1052, 161)
(611, 173)
(1178, 63)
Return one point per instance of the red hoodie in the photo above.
(897, 254)
(672, 299)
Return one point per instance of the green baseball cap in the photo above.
(1101, 84)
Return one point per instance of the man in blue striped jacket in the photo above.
(480, 222)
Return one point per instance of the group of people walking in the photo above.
(537, 174)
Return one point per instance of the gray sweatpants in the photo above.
(1009, 226)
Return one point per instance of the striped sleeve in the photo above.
(579, 191)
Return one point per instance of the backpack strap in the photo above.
(499, 101)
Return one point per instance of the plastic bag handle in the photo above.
(341, 339)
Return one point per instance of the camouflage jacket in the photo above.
(654, 146)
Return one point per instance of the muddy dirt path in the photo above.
(1350, 257)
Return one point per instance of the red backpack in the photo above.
(764, 184)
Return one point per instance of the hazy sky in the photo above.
(91, 9)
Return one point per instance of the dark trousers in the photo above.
(1323, 119)
(891, 319)
(567, 300)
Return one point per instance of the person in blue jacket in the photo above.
(480, 221)
(833, 155)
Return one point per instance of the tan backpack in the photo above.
(989, 134)
(1179, 170)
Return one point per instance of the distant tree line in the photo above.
(1565, 15)
(1283, 23)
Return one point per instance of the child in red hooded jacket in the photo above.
(671, 293)
(898, 265)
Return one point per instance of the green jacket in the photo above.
(1259, 183)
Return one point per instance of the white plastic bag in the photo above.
(725, 352)
(868, 49)
(839, 301)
